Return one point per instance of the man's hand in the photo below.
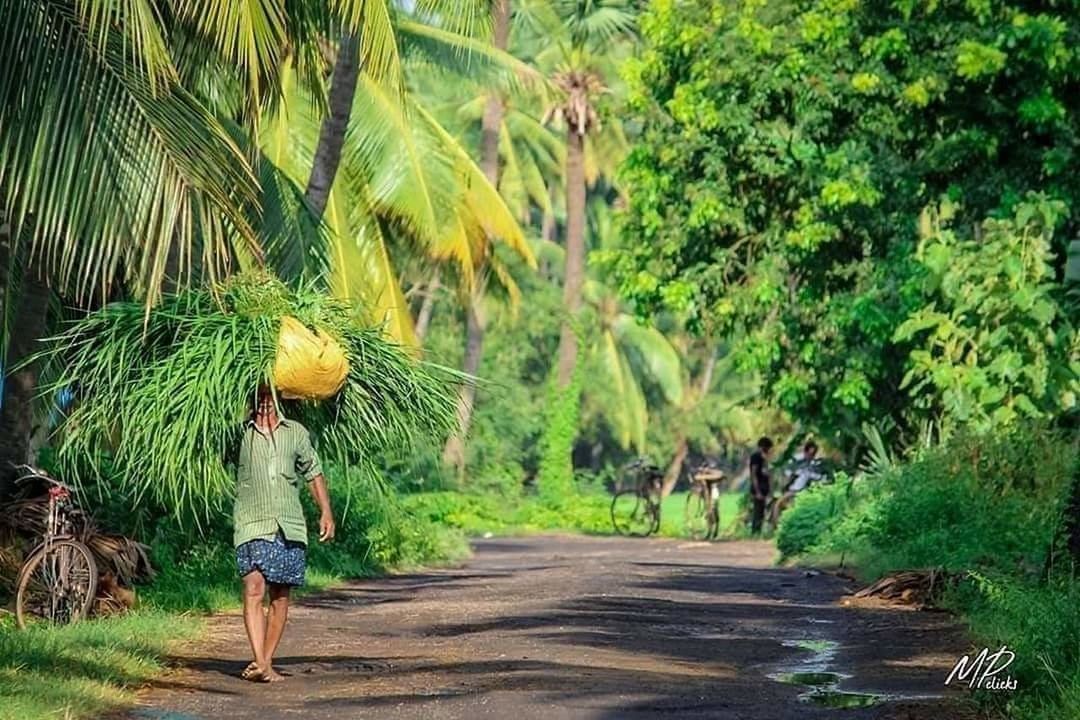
(326, 527)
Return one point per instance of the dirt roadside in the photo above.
(569, 627)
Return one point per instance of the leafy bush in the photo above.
(973, 503)
(1039, 622)
(990, 510)
(819, 508)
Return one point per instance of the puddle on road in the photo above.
(814, 679)
(841, 700)
(823, 684)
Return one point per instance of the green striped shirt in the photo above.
(268, 471)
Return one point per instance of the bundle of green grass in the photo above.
(161, 395)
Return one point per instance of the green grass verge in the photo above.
(83, 670)
(588, 513)
(89, 669)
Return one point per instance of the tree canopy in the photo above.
(789, 151)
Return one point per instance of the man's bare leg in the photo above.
(255, 624)
(275, 625)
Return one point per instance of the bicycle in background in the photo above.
(635, 509)
(703, 502)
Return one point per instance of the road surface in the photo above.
(568, 627)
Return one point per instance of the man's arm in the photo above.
(322, 499)
(307, 463)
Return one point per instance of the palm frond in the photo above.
(106, 171)
(656, 353)
(398, 168)
(471, 18)
(594, 23)
(471, 58)
(622, 401)
(487, 211)
(162, 395)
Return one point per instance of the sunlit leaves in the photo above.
(106, 164)
(987, 348)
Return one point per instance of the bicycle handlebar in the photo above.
(32, 473)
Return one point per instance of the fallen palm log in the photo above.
(917, 589)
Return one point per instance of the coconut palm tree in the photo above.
(584, 41)
(127, 137)
(117, 169)
(625, 353)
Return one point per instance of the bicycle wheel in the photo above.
(632, 514)
(57, 584)
(653, 508)
(697, 514)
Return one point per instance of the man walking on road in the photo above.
(270, 533)
(759, 483)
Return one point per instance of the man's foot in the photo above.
(256, 674)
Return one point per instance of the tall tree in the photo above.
(112, 163)
(585, 41)
(454, 451)
(778, 182)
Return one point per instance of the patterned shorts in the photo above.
(281, 561)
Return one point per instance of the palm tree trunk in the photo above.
(454, 451)
(16, 405)
(427, 308)
(682, 446)
(332, 134)
(575, 254)
(671, 475)
(491, 124)
(493, 111)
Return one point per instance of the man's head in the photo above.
(264, 402)
(810, 450)
(765, 445)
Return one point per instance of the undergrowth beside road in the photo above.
(989, 511)
(587, 512)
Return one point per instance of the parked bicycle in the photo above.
(58, 580)
(635, 509)
(703, 503)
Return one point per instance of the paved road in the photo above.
(568, 627)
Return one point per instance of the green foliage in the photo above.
(989, 509)
(505, 437)
(173, 385)
(996, 349)
(1039, 622)
(555, 479)
(588, 511)
(977, 502)
(819, 507)
(788, 150)
(88, 670)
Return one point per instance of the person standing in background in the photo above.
(759, 483)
